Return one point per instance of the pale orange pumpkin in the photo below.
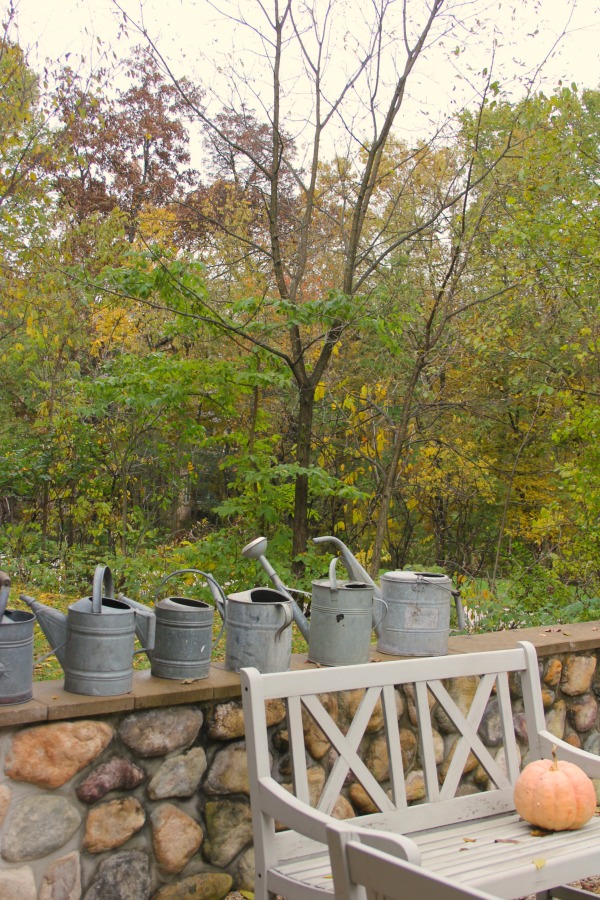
(555, 795)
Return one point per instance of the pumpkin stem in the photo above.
(554, 765)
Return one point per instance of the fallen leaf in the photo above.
(539, 832)
(539, 863)
(189, 680)
(470, 840)
(568, 633)
(506, 841)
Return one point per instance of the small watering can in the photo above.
(16, 649)
(341, 620)
(94, 642)
(257, 630)
(183, 643)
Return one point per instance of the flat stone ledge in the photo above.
(51, 702)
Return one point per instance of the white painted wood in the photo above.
(512, 754)
(362, 872)
(392, 731)
(347, 747)
(426, 742)
(348, 752)
(297, 749)
(476, 841)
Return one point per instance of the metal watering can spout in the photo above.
(217, 594)
(353, 567)
(145, 624)
(54, 625)
(256, 550)
(355, 570)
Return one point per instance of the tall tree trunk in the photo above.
(389, 482)
(303, 458)
(124, 510)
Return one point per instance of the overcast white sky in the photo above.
(189, 30)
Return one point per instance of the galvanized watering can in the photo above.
(341, 621)
(94, 642)
(418, 618)
(258, 630)
(16, 649)
(183, 642)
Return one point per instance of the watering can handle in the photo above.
(288, 618)
(215, 589)
(332, 577)
(460, 613)
(385, 612)
(103, 587)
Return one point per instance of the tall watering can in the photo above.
(94, 642)
(256, 550)
(341, 620)
(183, 643)
(16, 649)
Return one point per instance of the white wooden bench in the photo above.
(475, 840)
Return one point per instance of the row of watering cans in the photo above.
(409, 612)
(94, 641)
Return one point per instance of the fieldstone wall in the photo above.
(154, 803)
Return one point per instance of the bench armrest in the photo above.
(589, 762)
(285, 808)
(298, 816)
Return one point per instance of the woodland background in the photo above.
(396, 343)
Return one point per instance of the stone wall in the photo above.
(146, 795)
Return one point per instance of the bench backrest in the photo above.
(326, 703)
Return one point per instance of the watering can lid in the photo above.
(410, 577)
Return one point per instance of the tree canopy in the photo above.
(295, 335)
